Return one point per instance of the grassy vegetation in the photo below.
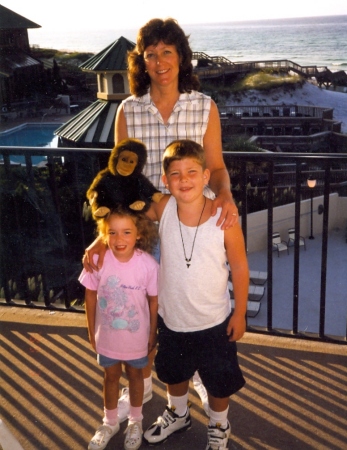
(261, 80)
(59, 56)
(265, 80)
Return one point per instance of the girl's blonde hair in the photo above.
(147, 230)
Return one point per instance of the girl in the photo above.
(121, 307)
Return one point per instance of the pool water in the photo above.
(30, 135)
(40, 135)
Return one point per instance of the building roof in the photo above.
(10, 61)
(94, 126)
(11, 20)
(113, 57)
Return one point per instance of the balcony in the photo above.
(51, 387)
(293, 354)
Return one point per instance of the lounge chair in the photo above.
(255, 293)
(258, 277)
(252, 307)
(291, 239)
(278, 244)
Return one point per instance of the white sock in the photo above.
(220, 418)
(178, 404)
(148, 384)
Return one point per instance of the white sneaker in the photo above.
(102, 436)
(133, 436)
(124, 403)
(165, 425)
(217, 437)
(201, 390)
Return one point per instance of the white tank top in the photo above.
(194, 298)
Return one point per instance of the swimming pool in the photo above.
(30, 135)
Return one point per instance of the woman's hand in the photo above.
(98, 247)
(229, 215)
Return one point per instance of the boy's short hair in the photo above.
(181, 149)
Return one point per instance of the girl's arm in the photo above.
(153, 317)
(237, 258)
(219, 181)
(90, 307)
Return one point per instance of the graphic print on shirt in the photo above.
(116, 310)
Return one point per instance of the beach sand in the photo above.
(309, 94)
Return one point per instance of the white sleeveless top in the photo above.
(194, 298)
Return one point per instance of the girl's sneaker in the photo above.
(102, 436)
(133, 436)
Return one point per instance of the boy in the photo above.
(196, 329)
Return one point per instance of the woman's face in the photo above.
(162, 64)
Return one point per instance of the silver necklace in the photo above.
(188, 260)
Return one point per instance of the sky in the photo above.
(74, 15)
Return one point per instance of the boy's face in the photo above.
(186, 179)
(121, 234)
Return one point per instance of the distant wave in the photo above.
(319, 41)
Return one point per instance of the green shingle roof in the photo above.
(113, 57)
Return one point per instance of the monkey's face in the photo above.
(127, 161)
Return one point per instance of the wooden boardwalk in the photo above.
(219, 66)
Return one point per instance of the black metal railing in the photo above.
(44, 227)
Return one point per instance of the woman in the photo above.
(165, 106)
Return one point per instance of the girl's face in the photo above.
(186, 179)
(121, 236)
(162, 63)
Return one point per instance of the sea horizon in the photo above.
(306, 41)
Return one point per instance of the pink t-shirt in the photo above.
(122, 311)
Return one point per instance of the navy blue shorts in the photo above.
(208, 351)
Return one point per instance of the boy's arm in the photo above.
(97, 247)
(155, 211)
(237, 258)
(153, 317)
(90, 307)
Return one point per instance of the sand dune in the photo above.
(308, 94)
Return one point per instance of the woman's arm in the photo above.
(219, 181)
(120, 129)
(237, 258)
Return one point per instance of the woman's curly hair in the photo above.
(153, 32)
(147, 230)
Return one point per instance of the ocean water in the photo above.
(319, 41)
